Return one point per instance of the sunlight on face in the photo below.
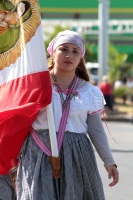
(67, 57)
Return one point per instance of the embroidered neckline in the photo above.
(87, 84)
(70, 92)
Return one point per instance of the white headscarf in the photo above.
(66, 37)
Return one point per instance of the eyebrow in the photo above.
(73, 48)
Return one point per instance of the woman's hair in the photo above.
(81, 71)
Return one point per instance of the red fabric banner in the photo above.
(25, 85)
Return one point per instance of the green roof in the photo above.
(88, 9)
(123, 43)
(84, 6)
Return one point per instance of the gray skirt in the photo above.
(7, 191)
(80, 179)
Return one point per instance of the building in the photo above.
(82, 16)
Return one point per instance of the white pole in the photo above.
(52, 131)
(103, 18)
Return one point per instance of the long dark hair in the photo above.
(81, 71)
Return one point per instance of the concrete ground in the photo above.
(121, 112)
(123, 155)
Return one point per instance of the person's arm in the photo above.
(99, 139)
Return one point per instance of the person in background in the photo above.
(106, 89)
(80, 179)
(129, 82)
(118, 83)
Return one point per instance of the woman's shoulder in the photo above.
(92, 97)
(88, 87)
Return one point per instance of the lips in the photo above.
(68, 62)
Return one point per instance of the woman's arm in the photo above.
(99, 139)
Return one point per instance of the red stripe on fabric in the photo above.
(20, 101)
(29, 88)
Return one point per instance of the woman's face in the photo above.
(67, 57)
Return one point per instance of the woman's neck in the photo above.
(64, 79)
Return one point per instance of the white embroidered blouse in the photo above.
(83, 117)
(88, 101)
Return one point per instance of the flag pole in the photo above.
(54, 159)
(52, 131)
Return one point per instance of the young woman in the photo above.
(80, 178)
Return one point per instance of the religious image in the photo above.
(13, 16)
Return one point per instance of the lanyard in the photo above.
(69, 93)
(61, 131)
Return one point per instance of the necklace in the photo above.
(69, 92)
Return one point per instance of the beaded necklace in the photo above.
(69, 93)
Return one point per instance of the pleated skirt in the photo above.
(7, 191)
(80, 179)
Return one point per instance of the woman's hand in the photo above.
(13, 176)
(113, 173)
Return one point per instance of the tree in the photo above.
(90, 51)
(115, 64)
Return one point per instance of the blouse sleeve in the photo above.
(99, 139)
(96, 101)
